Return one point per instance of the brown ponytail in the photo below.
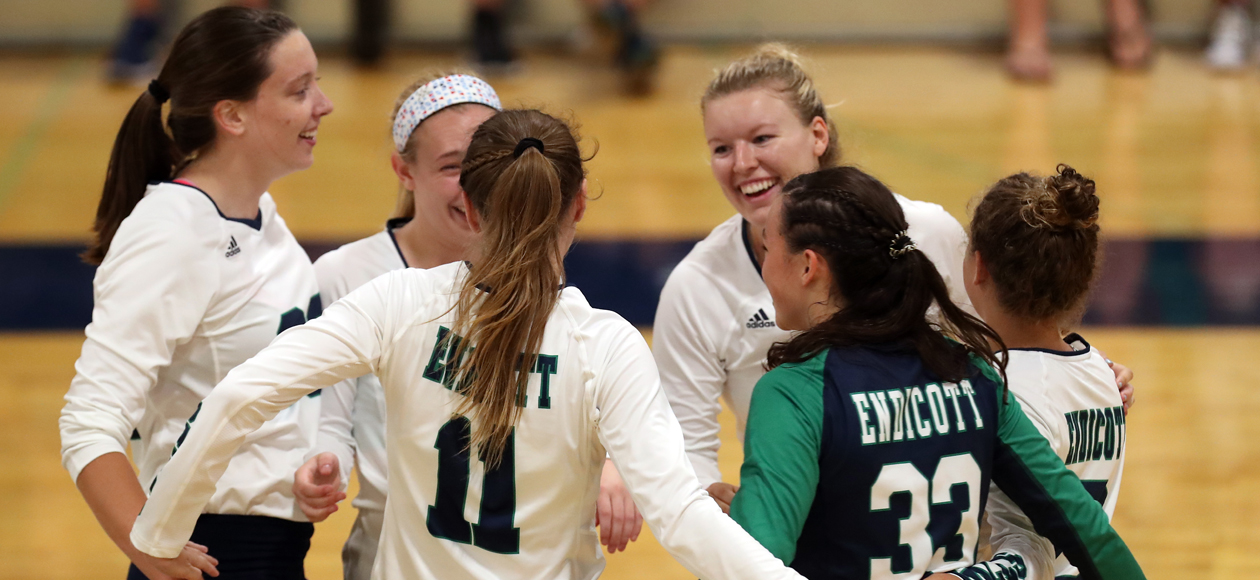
(521, 198)
(220, 55)
(142, 153)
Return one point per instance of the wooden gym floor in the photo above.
(1173, 150)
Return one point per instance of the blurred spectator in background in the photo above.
(636, 55)
(134, 59)
(1028, 57)
(1233, 37)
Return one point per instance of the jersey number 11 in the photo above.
(494, 530)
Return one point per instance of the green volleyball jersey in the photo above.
(860, 463)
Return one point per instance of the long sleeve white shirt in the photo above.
(182, 297)
(595, 390)
(1071, 397)
(352, 420)
(715, 324)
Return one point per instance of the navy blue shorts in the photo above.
(251, 547)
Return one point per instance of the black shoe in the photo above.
(371, 30)
(637, 56)
(489, 42)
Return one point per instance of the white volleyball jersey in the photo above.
(352, 422)
(593, 389)
(183, 296)
(715, 323)
(1071, 397)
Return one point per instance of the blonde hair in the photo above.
(405, 207)
(776, 67)
(521, 195)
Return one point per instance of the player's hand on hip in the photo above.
(191, 563)
(618, 519)
(723, 493)
(317, 486)
(1124, 381)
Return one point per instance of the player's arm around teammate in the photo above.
(433, 122)
(423, 332)
(174, 292)
(869, 400)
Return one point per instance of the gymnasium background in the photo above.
(921, 101)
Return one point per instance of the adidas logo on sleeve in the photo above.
(233, 249)
(760, 320)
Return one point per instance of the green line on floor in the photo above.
(25, 147)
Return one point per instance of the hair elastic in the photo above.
(901, 244)
(159, 92)
(527, 143)
(436, 95)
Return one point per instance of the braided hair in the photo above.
(885, 283)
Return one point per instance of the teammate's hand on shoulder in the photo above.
(618, 519)
(723, 493)
(1124, 381)
(189, 565)
(317, 486)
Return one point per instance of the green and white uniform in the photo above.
(1071, 397)
(860, 463)
(594, 390)
(183, 296)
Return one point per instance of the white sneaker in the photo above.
(1230, 38)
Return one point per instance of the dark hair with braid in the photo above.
(886, 286)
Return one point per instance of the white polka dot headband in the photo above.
(436, 95)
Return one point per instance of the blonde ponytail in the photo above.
(521, 194)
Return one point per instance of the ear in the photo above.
(474, 219)
(403, 171)
(981, 275)
(822, 135)
(580, 203)
(230, 116)
(815, 267)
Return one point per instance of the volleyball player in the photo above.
(872, 440)
(1033, 255)
(433, 122)
(765, 123)
(197, 273)
(504, 389)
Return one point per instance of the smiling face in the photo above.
(432, 174)
(757, 144)
(281, 121)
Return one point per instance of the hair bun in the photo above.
(1067, 202)
(777, 51)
